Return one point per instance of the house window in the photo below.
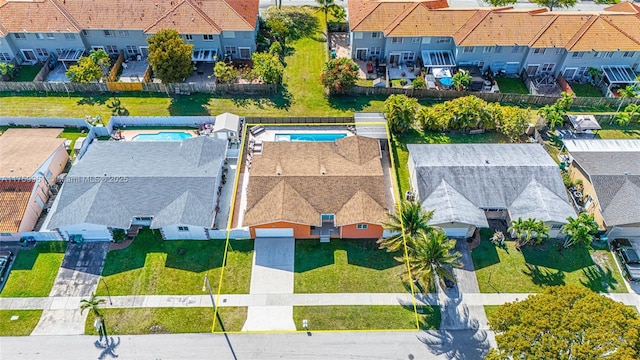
(467, 49)
(362, 226)
(111, 49)
(583, 71)
(597, 54)
(69, 36)
(227, 34)
(608, 54)
(42, 52)
(415, 40)
(517, 49)
(443, 40)
(481, 65)
(183, 228)
(588, 203)
(123, 33)
(538, 51)
(19, 36)
(39, 36)
(109, 33)
(396, 40)
(498, 49)
(547, 67)
(230, 50)
(143, 218)
(376, 35)
(408, 56)
(5, 234)
(375, 51)
(5, 57)
(132, 50)
(559, 51)
(556, 226)
(577, 54)
(245, 53)
(628, 54)
(207, 37)
(357, 35)
(488, 49)
(86, 33)
(188, 37)
(40, 202)
(59, 51)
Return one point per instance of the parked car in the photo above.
(628, 257)
(5, 260)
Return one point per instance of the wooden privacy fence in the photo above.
(113, 74)
(492, 97)
(122, 86)
(299, 120)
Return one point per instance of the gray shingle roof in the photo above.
(172, 181)
(615, 176)
(519, 177)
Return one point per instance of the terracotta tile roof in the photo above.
(36, 16)
(299, 181)
(52, 15)
(23, 151)
(618, 28)
(14, 198)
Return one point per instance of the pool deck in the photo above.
(270, 133)
(130, 134)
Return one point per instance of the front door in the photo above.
(394, 59)
(569, 73)
(532, 69)
(328, 219)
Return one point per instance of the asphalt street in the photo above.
(462, 344)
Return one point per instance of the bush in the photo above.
(403, 82)
(339, 75)
(119, 235)
(419, 83)
(566, 179)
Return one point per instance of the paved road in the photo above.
(308, 346)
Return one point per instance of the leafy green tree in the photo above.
(579, 230)
(400, 111)
(622, 118)
(407, 221)
(339, 75)
(530, 231)
(431, 255)
(268, 67)
(500, 3)
(627, 92)
(7, 70)
(461, 80)
(433, 118)
(93, 305)
(565, 322)
(552, 115)
(101, 58)
(551, 4)
(276, 49)
(169, 56)
(418, 83)
(225, 73)
(513, 121)
(85, 71)
(565, 101)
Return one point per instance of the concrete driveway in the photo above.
(272, 273)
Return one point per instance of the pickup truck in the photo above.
(628, 257)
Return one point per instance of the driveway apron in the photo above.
(77, 278)
(272, 273)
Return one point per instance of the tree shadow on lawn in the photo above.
(94, 99)
(25, 259)
(544, 277)
(599, 279)
(485, 254)
(352, 103)
(550, 254)
(366, 253)
(192, 105)
(281, 100)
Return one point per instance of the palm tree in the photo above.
(325, 5)
(432, 255)
(461, 80)
(101, 58)
(408, 220)
(529, 231)
(552, 115)
(627, 92)
(93, 304)
(580, 229)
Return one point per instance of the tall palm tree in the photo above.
(529, 231)
(432, 255)
(325, 5)
(408, 220)
(93, 304)
(627, 92)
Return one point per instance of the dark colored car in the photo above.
(5, 260)
(628, 257)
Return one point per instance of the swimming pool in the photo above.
(310, 137)
(162, 136)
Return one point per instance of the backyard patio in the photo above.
(133, 71)
(203, 73)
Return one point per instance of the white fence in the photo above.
(187, 121)
(43, 122)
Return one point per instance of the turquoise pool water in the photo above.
(162, 136)
(310, 137)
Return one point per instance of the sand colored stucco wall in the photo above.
(594, 209)
(300, 231)
(373, 231)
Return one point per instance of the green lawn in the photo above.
(27, 73)
(345, 266)
(167, 320)
(511, 85)
(613, 131)
(151, 266)
(366, 317)
(34, 271)
(586, 90)
(72, 134)
(22, 326)
(401, 155)
(539, 266)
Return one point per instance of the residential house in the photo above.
(504, 39)
(467, 184)
(610, 175)
(30, 161)
(172, 186)
(317, 190)
(34, 29)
